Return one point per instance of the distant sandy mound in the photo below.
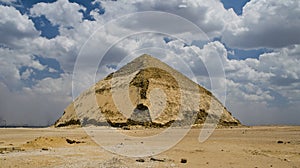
(50, 142)
(149, 93)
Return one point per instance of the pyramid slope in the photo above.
(145, 92)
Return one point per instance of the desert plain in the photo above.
(253, 147)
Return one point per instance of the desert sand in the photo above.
(263, 146)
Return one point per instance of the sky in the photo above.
(257, 42)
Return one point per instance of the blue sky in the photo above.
(237, 6)
(260, 52)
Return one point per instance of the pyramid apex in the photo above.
(145, 57)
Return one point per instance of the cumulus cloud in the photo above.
(15, 28)
(61, 12)
(271, 71)
(8, 1)
(270, 24)
(266, 88)
(26, 74)
(11, 61)
(210, 16)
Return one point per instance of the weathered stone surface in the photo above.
(145, 92)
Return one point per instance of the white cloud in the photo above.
(210, 16)
(26, 74)
(247, 92)
(11, 61)
(8, 1)
(270, 24)
(272, 71)
(52, 70)
(15, 28)
(267, 88)
(63, 49)
(61, 12)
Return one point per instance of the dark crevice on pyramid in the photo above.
(140, 115)
(143, 76)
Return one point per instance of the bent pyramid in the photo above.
(145, 92)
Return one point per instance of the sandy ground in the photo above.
(227, 147)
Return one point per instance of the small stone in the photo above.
(183, 161)
(140, 160)
(70, 141)
(158, 160)
(280, 142)
(126, 128)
